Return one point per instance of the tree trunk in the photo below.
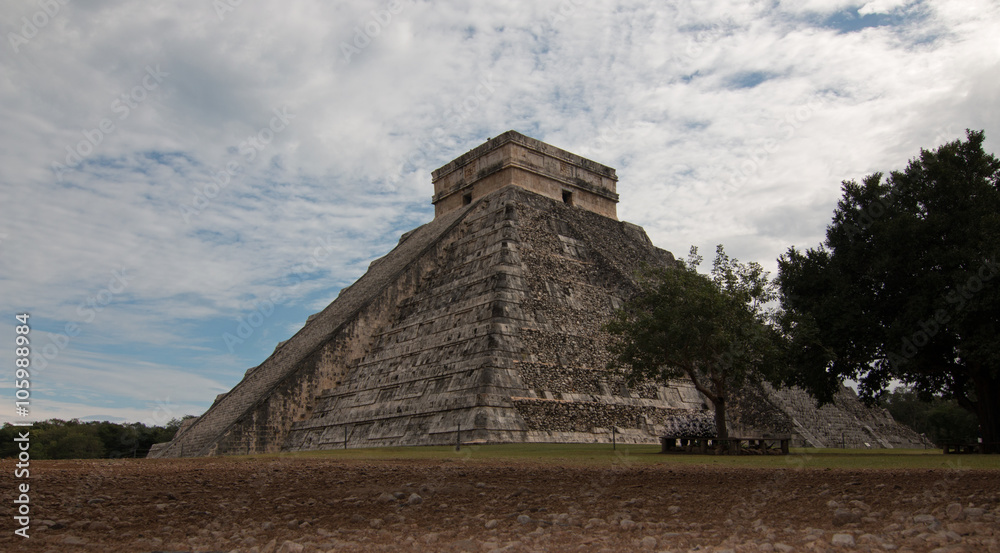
(720, 417)
(988, 410)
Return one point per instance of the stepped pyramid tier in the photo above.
(484, 326)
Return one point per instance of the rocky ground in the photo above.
(273, 505)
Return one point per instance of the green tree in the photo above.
(69, 440)
(717, 331)
(904, 286)
(941, 419)
(58, 439)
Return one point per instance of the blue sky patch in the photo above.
(849, 21)
(748, 79)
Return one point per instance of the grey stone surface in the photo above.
(485, 326)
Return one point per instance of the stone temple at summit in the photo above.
(485, 325)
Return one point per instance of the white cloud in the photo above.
(882, 6)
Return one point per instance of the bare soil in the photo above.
(271, 505)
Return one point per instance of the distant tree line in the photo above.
(942, 420)
(72, 439)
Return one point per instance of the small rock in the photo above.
(954, 511)
(627, 524)
(842, 540)
(973, 512)
(74, 540)
(267, 525)
(782, 548)
(492, 523)
(523, 519)
(673, 509)
(375, 523)
(98, 526)
(291, 547)
(95, 501)
(924, 519)
(385, 498)
(414, 499)
(399, 495)
(860, 505)
(845, 516)
(161, 507)
(480, 484)
(649, 542)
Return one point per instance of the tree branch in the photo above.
(690, 372)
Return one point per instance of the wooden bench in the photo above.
(729, 446)
(952, 448)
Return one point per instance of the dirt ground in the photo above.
(272, 505)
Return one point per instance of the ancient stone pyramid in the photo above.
(484, 326)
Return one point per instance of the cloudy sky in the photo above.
(170, 170)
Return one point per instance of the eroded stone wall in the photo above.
(256, 413)
(488, 320)
(510, 319)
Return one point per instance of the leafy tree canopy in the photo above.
(905, 285)
(715, 330)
